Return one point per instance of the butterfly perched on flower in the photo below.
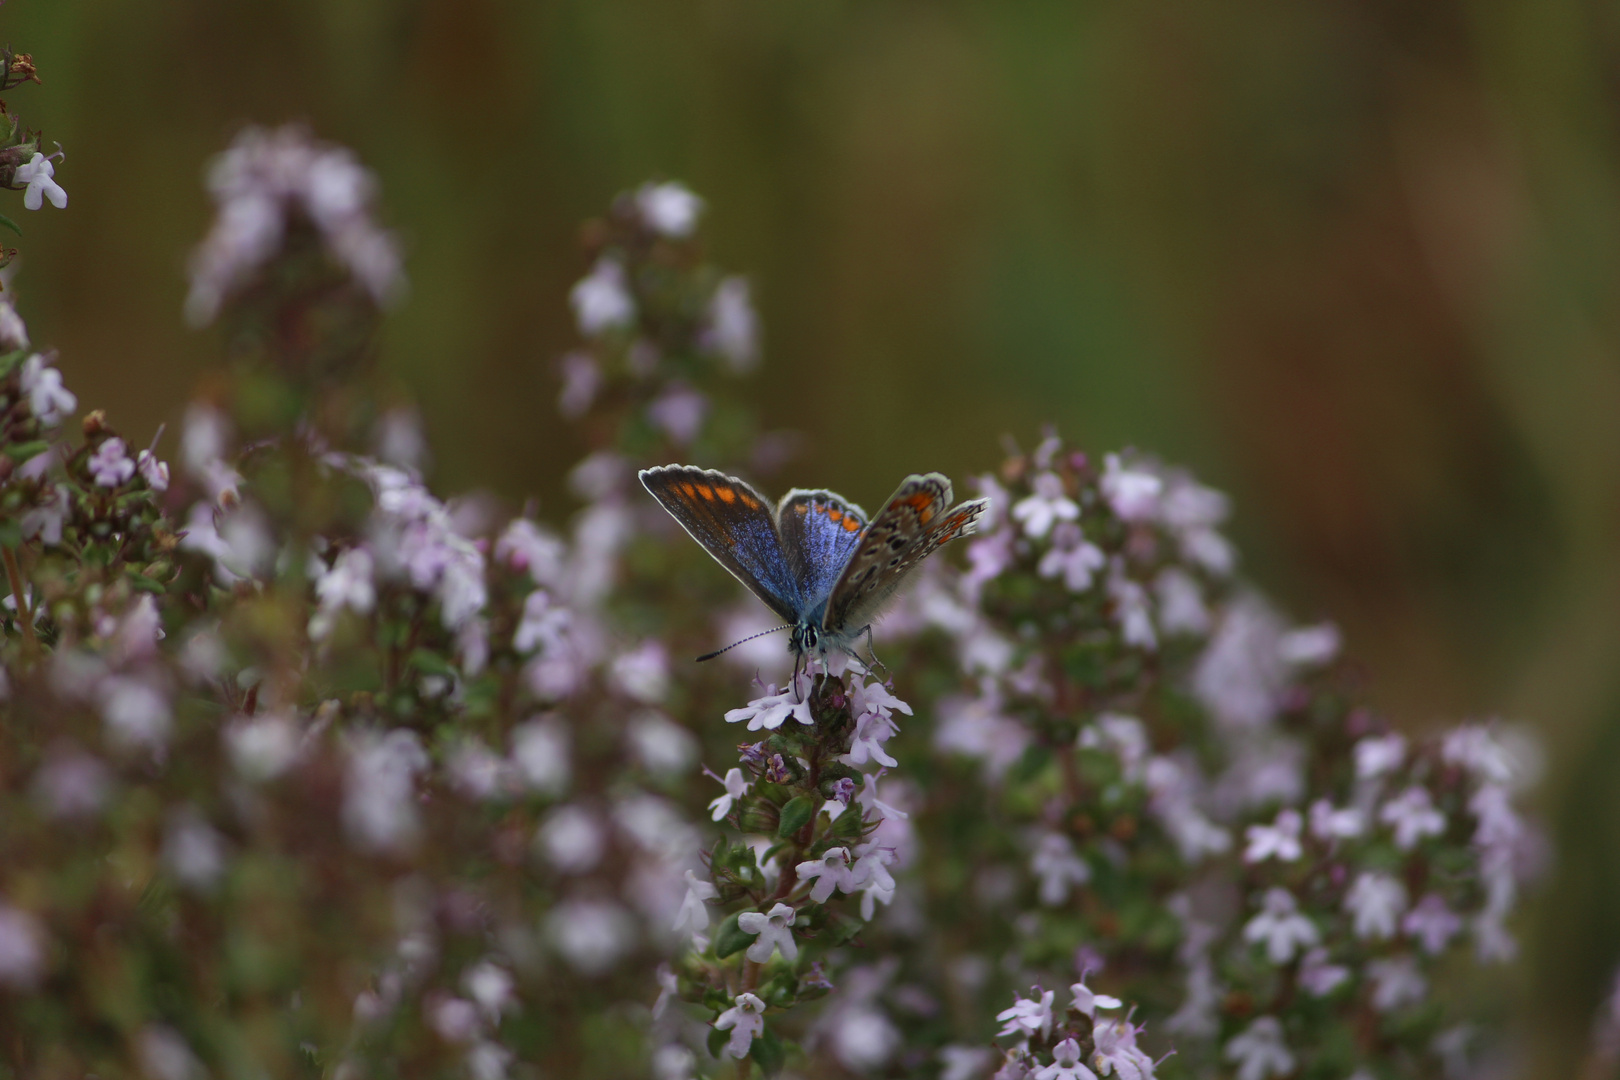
(816, 559)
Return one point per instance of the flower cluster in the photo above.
(307, 768)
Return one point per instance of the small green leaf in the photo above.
(429, 662)
(11, 533)
(141, 581)
(731, 939)
(767, 1051)
(12, 225)
(20, 452)
(717, 1041)
(795, 815)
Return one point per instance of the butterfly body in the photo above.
(816, 559)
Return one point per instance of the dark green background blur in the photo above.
(1356, 263)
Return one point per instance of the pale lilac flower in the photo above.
(137, 713)
(736, 788)
(602, 301)
(1065, 1064)
(1057, 867)
(1259, 1052)
(1028, 1015)
(13, 331)
(581, 382)
(979, 727)
(679, 413)
(1181, 603)
(488, 1060)
(694, 916)
(745, 1019)
(1412, 816)
(165, 1055)
(379, 800)
(527, 547)
(1485, 753)
(1088, 1001)
(1375, 902)
(1318, 976)
(871, 868)
(988, 556)
(732, 328)
(22, 948)
(46, 520)
(1240, 676)
(1015, 1064)
(770, 710)
(454, 1019)
(1279, 840)
(1133, 492)
(663, 747)
(543, 625)
(869, 802)
(669, 209)
(48, 399)
(540, 751)
(1431, 923)
(1072, 557)
(256, 183)
(862, 1037)
(1122, 736)
(1117, 1053)
(1132, 609)
(775, 932)
(965, 1062)
(1397, 983)
(110, 465)
(572, 839)
(643, 673)
(872, 730)
(1328, 823)
(153, 471)
(831, 871)
(475, 770)
(40, 176)
(1192, 511)
(590, 934)
(193, 851)
(1048, 505)
(262, 747)
(1281, 926)
(71, 784)
(1377, 755)
(1172, 804)
(348, 584)
(1310, 646)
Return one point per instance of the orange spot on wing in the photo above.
(920, 501)
(927, 514)
(727, 495)
(691, 492)
(801, 509)
(852, 523)
(834, 514)
(706, 491)
(748, 500)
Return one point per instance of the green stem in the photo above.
(25, 613)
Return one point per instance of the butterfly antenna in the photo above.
(734, 644)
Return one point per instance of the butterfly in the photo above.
(816, 559)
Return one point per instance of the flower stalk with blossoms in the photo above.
(307, 769)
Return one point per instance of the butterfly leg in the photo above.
(872, 652)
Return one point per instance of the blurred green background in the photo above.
(1355, 263)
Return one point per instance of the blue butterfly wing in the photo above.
(819, 531)
(733, 523)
